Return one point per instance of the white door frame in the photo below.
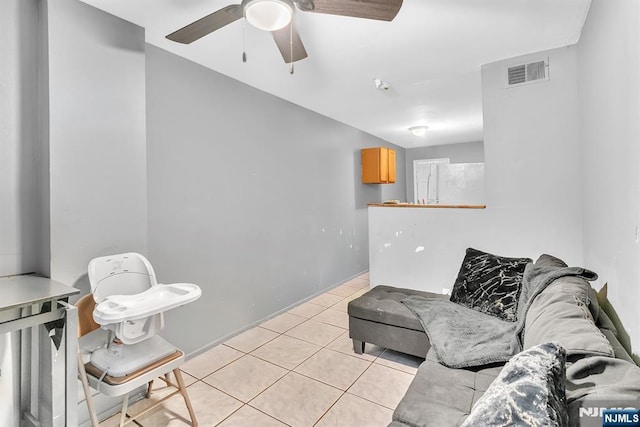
(437, 162)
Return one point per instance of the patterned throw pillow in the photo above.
(490, 284)
(529, 391)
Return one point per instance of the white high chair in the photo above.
(118, 323)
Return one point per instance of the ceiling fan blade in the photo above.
(382, 10)
(206, 25)
(283, 37)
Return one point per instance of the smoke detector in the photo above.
(381, 84)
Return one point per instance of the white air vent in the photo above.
(528, 73)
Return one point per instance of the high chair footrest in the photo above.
(130, 358)
(92, 370)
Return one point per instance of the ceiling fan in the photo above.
(276, 16)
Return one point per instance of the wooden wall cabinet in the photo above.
(378, 165)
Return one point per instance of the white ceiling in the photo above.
(431, 53)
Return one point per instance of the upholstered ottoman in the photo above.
(379, 317)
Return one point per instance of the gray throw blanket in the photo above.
(463, 337)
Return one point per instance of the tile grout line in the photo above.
(291, 370)
(279, 334)
(252, 407)
(343, 391)
(364, 398)
(288, 370)
(223, 366)
(306, 359)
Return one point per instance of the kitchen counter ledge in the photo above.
(429, 206)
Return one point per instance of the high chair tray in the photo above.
(159, 298)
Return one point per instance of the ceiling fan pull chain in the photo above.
(244, 49)
(291, 44)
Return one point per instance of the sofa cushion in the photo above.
(560, 314)
(593, 305)
(530, 390)
(440, 396)
(604, 323)
(606, 307)
(489, 283)
(596, 382)
(618, 350)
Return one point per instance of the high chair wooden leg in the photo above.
(149, 387)
(87, 392)
(185, 396)
(123, 412)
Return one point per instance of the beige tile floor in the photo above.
(297, 369)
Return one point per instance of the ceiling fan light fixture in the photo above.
(418, 130)
(268, 15)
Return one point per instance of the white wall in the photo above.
(97, 138)
(253, 198)
(609, 94)
(531, 142)
(556, 151)
(467, 152)
(532, 187)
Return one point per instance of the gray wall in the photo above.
(253, 198)
(23, 177)
(22, 155)
(467, 152)
(97, 138)
(609, 91)
(98, 185)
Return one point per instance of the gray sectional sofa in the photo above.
(599, 372)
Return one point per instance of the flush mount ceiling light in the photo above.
(381, 84)
(418, 130)
(268, 15)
